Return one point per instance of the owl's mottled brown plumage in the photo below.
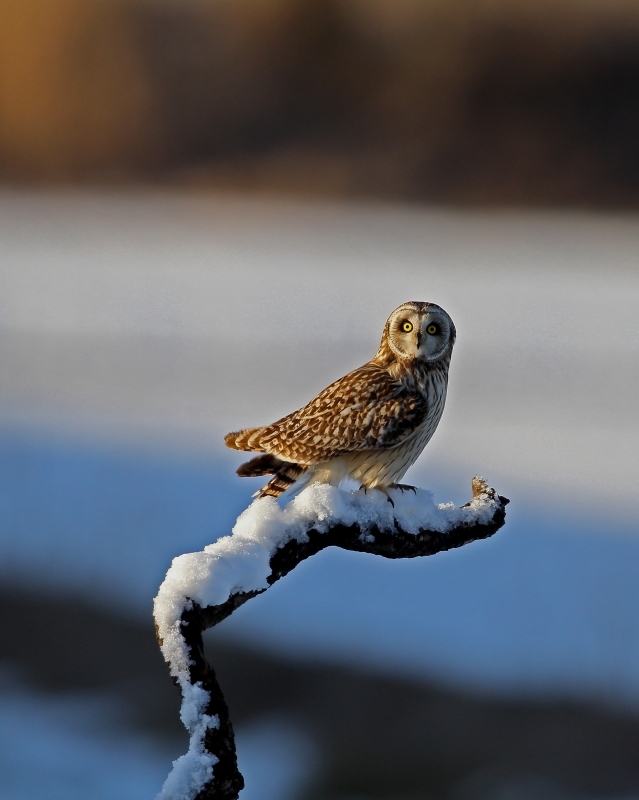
(370, 425)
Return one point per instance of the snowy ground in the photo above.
(135, 329)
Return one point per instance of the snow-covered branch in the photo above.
(201, 589)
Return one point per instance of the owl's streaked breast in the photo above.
(384, 467)
(370, 425)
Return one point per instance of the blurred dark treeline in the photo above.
(378, 736)
(470, 101)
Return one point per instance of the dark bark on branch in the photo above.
(227, 781)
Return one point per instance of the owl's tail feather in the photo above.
(260, 465)
(282, 481)
(285, 473)
(248, 439)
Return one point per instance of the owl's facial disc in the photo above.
(423, 333)
(435, 335)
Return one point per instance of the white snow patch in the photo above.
(241, 563)
(195, 768)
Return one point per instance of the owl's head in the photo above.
(422, 331)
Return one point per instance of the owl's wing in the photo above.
(365, 410)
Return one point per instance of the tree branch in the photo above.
(183, 609)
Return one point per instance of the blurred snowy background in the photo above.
(137, 327)
(208, 209)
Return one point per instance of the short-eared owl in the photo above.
(370, 425)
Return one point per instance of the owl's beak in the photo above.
(419, 340)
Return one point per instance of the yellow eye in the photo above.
(407, 326)
(432, 329)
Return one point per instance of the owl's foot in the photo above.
(388, 497)
(383, 490)
(403, 487)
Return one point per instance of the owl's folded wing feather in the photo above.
(365, 410)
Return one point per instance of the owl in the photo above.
(369, 426)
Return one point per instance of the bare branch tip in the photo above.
(479, 486)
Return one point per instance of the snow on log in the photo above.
(268, 541)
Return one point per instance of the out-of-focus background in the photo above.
(208, 208)
(472, 101)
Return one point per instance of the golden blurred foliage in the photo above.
(448, 100)
(74, 93)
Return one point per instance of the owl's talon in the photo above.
(403, 487)
(384, 491)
